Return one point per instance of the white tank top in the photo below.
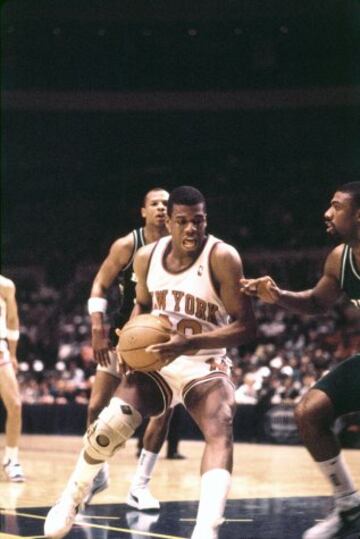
(188, 298)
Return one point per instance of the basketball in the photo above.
(139, 333)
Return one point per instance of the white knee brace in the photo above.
(115, 424)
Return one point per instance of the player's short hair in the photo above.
(151, 191)
(353, 189)
(185, 195)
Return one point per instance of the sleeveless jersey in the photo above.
(126, 283)
(350, 276)
(187, 298)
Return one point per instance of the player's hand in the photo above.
(177, 345)
(263, 288)
(101, 347)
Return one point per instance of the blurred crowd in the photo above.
(292, 351)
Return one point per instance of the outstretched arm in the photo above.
(313, 301)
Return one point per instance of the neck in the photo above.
(153, 233)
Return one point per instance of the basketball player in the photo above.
(190, 278)
(9, 388)
(119, 263)
(338, 392)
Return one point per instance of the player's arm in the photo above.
(316, 300)
(12, 322)
(227, 270)
(117, 259)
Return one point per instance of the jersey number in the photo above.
(186, 326)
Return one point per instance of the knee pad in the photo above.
(115, 424)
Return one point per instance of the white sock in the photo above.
(146, 463)
(214, 488)
(338, 475)
(84, 472)
(11, 453)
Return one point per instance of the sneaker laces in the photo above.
(76, 492)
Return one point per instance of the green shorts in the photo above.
(342, 386)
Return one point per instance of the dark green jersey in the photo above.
(350, 276)
(126, 281)
(126, 277)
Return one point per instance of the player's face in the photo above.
(187, 226)
(342, 219)
(154, 211)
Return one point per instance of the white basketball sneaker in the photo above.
(340, 523)
(101, 482)
(201, 531)
(61, 517)
(13, 472)
(142, 499)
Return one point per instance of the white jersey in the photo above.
(187, 298)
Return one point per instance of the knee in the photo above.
(116, 423)
(220, 427)
(14, 407)
(312, 412)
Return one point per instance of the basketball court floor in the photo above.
(276, 493)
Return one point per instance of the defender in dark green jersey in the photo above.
(118, 265)
(338, 392)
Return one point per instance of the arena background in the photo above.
(255, 103)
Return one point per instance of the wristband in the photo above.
(97, 305)
(13, 334)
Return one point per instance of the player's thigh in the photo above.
(9, 387)
(212, 405)
(341, 385)
(142, 392)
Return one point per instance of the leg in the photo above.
(136, 397)
(173, 437)
(156, 431)
(102, 390)
(10, 394)
(139, 495)
(212, 406)
(330, 398)
(105, 383)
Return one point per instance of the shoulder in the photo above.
(123, 242)
(224, 258)
(224, 252)
(146, 250)
(7, 283)
(143, 255)
(7, 287)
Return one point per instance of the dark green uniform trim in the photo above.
(350, 276)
